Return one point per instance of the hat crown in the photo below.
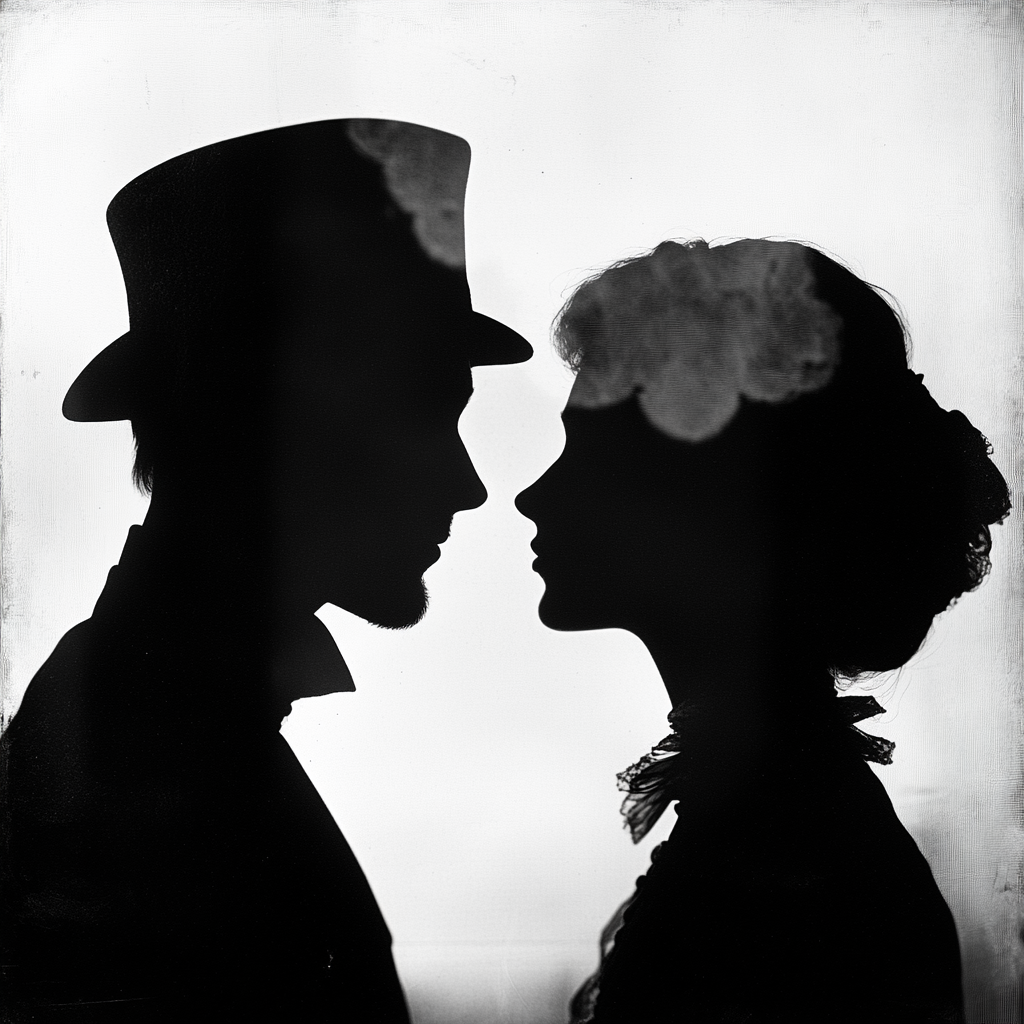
(221, 246)
(214, 226)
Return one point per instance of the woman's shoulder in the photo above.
(771, 914)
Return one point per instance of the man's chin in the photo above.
(400, 608)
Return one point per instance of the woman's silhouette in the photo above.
(757, 486)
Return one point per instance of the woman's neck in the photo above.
(746, 707)
(756, 736)
(735, 671)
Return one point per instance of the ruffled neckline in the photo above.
(663, 776)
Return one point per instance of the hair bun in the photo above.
(986, 489)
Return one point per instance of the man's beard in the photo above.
(401, 608)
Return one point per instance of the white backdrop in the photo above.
(473, 769)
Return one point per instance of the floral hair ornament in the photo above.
(693, 328)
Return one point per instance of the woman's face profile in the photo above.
(635, 528)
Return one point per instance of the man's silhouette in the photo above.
(299, 356)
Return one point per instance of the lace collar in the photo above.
(662, 776)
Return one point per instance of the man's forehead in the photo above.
(386, 386)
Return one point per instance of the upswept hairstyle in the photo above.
(882, 501)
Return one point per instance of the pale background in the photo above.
(473, 770)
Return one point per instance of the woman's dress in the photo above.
(799, 898)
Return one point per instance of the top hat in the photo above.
(218, 245)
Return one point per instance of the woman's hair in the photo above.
(880, 500)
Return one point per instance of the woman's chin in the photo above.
(561, 612)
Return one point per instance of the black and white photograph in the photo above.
(511, 512)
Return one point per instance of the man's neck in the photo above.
(206, 601)
(224, 554)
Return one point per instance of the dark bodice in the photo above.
(803, 900)
(168, 858)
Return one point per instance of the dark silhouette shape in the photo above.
(799, 537)
(299, 357)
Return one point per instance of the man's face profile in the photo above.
(299, 357)
(368, 463)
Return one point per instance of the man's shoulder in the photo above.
(47, 736)
(60, 680)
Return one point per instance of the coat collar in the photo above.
(297, 658)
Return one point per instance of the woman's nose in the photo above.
(531, 500)
(523, 501)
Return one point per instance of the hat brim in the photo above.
(113, 386)
(109, 387)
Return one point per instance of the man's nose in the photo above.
(469, 488)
